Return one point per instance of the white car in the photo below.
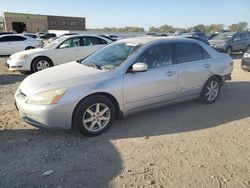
(63, 50)
(10, 44)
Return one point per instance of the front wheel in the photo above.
(210, 91)
(94, 115)
(41, 63)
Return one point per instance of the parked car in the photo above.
(34, 36)
(125, 77)
(6, 33)
(230, 42)
(200, 35)
(62, 50)
(12, 43)
(245, 63)
(65, 34)
(213, 35)
(48, 36)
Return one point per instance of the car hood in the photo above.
(28, 52)
(217, 41)
(62, 76)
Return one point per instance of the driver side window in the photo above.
(157, 56)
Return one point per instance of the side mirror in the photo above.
(139, 67)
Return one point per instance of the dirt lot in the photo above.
(184, 145)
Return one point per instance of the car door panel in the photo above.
(192, 76)
(156, 85)
(194, 68)
(150, 87)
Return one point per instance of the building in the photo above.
(33, 23)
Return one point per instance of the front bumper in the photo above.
(20, 65)
(245, 64)
(57, 116)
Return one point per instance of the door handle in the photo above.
(170, 73)
(207, 66)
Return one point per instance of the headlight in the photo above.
(47, 97)
(21, 57)
(247, 55)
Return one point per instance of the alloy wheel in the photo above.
(42, 65)
(96, 117)
(212, 90)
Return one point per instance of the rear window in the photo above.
(188, 52)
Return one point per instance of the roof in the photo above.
(148, 39)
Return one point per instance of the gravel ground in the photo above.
(184, 145)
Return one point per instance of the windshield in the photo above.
(111, 56)
(54, 43)
(223, 36)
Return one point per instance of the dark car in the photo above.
(230, 42)
(200, 35)
(48, 36)
(245, 63)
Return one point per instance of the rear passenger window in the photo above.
(188, 52)
(89, 41)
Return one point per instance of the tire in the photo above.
(41, 63)
(209, 96)
(95, 122)
(229, 50)
(25, 72)
(29, 48)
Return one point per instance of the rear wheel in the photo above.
(41, 63)
(94, 115)
(210, 91)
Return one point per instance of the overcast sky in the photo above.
(144, 13)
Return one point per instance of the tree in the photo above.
(199, 28)
(241, 26)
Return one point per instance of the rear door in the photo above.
(238, 43)
(194, 67)
(3, 46)
(12, 44)
(244, 39)
(19, 43)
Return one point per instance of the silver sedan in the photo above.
(125, 77)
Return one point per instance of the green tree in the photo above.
(241, 26)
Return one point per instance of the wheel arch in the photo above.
(118, 112)
(218, 77)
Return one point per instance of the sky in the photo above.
(141, 13)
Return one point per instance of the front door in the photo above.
(68, 51)
(156, 85)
